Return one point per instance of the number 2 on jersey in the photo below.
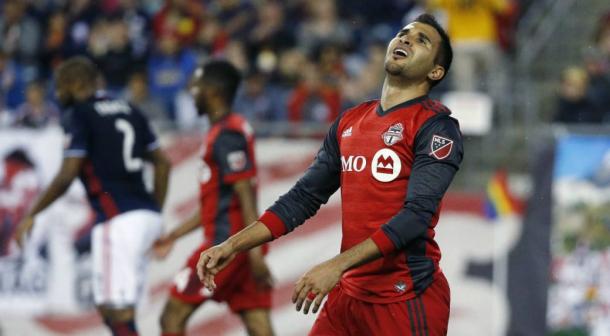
(132, 164)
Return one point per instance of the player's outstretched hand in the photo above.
(23, 229)
(162, 246)
(212, 261)
(314, 285)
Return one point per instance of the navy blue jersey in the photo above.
(114, 137)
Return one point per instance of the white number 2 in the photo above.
(131, 164)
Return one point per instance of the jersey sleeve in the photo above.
(76, 141)
(438, 154)
(233, 157)
(303, 200)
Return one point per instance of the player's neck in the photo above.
(395, 92)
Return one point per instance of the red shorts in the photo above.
(426, 314)
(235, 285)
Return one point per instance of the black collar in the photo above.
(407, 103)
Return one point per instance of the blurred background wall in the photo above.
(525, 231)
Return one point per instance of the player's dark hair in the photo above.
(78, 69)
(224, 76)
(444, 55)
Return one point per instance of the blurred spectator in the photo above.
(138, 26)
(37, 111)
(19, 35)
(235, 52)
(329, 58)
(597, 62)
(111, 51)
(477, 61)
(237, 16)
(269, 30)
(211, 38)
(137, 93)
(180, 18)
(368, 13)
(313, 99)
(322, 25)
(290, 67)
(574, 104)
(54, 41)
(81, 16)
(12, 85)
(169, 69)
(257, 101)
(269, 35)
(367, 81)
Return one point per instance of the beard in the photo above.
(393, 69)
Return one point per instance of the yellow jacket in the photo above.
(471, 20)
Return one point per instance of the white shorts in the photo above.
(120, 256)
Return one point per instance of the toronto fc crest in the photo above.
(393, 134)
(440, 147)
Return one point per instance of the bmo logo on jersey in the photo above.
(353, 163)
(386, 165)
(384, 168)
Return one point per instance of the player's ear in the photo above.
(437, 73)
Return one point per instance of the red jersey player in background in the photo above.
(394, 159)
(228, 200)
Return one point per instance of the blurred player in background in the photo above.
(394, 159)
(107, 142)
(19, 186)
(227, 201)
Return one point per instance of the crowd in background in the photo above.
(584, 94)
(302, 60)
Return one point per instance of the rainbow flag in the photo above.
(499, 200)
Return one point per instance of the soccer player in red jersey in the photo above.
(227, 201)
(394, 159)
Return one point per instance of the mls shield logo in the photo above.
(393, 134)
(237, 160)
(440, 147)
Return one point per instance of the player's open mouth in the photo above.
(399, 52)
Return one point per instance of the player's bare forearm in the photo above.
(247, 200)
(162, 170)
(69, 170)
(358, 255)
(186, 227)
(314, 285)
(213, 260)
(253, 235)
(163, 246)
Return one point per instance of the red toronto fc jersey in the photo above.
(377, 155)
(393, 168)
(228, 156)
